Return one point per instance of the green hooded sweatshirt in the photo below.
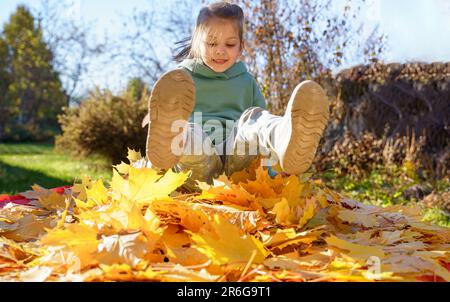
(222, 96)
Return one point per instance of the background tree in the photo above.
(35, 94)
(145, 47)
(135, 88)
(72, 43)
(136, 47)
(292, 41)
(4, 83)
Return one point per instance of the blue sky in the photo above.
(418, 30)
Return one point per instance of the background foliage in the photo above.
(105, 124)
(31, 94)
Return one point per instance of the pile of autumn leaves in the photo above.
(249, 227)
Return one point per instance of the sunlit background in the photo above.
(416, 30)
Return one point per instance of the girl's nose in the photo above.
(220, 50)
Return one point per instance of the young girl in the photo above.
(209, 116)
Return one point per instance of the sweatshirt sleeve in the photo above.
(258, 98)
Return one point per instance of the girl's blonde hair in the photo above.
(190, 47)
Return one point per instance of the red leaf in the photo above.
(430, 278)
(60, 190)
(445, 264)
(17, 199)
(4, 197)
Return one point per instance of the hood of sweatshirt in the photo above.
(197, 67)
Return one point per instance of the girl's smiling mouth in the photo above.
(219, 61)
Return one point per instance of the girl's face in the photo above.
(222, 47)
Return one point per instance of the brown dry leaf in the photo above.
(53, 201)
(351, 216)
(29, 228)
(187, 256)
(37, 192)
(11, 251)
(291, 265)
(306, 237)
(233, 194)
(356, 251)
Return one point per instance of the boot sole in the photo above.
(172, 99)
(309, 113)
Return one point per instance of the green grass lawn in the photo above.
(22, 165)
(383, 187)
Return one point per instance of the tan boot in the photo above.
(172, 99)
(204, 168)
(204, 165)
(296, 136)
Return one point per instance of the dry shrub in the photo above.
(104, 124)
(407, 103)
(357, 156)
(440, 200)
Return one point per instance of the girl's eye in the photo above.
(212, 44)
(231, 45)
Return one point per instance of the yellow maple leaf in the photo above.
(175, 237)
(80, 188)
(122, 168)
(77, 238)
(98, 194)
(189, 214)
(308, 213)
(193, 220)
(82, 206)
(268, 203)
(133, 155)
(145, 184)
(260, 189)
(123, 216)
(279, 236)
(291, 213)
(129, 214)
(226, 244)
(282, 212)
(292, 208)
(292, 191)
(241, 176)
(179, 250)
(232, 195)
